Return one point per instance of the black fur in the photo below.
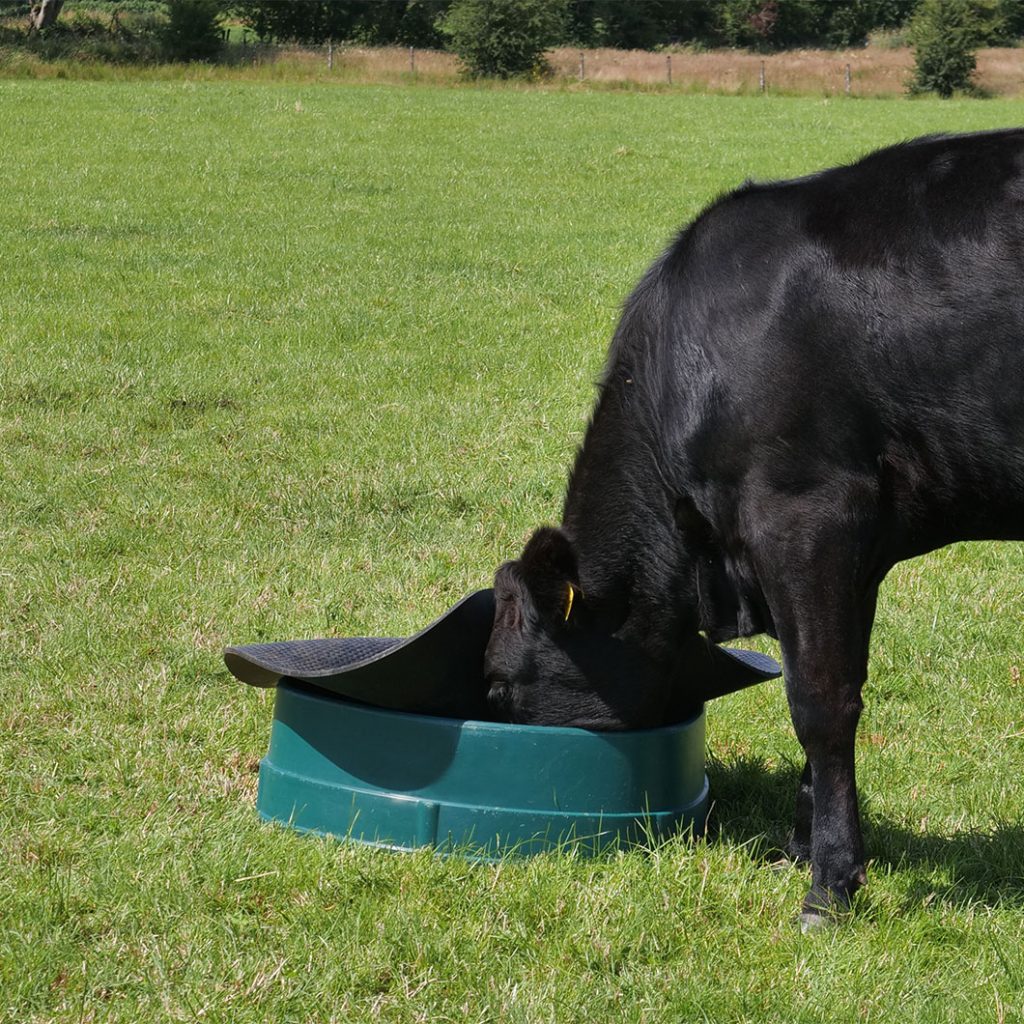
(817, 379)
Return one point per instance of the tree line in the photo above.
(623, 24)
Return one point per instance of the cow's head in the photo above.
(555, 659)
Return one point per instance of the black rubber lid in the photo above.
(438, 671)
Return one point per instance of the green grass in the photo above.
(284, 361)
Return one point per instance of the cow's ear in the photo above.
(550, 571)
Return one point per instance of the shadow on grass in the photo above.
(753, 806)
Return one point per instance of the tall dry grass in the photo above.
(874, 71)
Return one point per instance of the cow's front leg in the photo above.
(823, 607)
(798, 849)
(824, 651)
(825, 717)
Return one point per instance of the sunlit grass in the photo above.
(284, 361)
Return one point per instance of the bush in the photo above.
(944, 35)
(192, 31)
(504, 38)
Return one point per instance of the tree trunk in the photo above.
(45, 13)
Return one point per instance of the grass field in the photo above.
(284, 361)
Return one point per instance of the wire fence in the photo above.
(865, 72)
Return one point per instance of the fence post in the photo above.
(763, 83)
(330, 54)
(668, 67)
(412, 61)
(581, 66)
(847, 80)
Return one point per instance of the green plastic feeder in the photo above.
(385, 741)
(482, 789)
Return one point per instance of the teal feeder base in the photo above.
(478, 789)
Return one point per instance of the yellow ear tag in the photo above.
(568, 603)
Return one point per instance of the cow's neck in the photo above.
(619, 513)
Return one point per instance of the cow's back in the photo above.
(865, 320)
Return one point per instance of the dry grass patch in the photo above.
(875, 71)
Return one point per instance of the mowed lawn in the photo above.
(282, 361)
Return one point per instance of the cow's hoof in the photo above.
(812, 921)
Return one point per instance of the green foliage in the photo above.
(1000, 22)
(762, 24)
(848, 23)
(783, 24)
(192, 31)
(504, 38)
(1011, 14)
(85, 34)
(639, 25)
(135, 32)
(636, 24)
(118, 7)
(944, 35)
(755, 24)
(370, 22)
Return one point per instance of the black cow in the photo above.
(817, 379)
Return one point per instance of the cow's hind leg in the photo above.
(823, 607)
(799, 847)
